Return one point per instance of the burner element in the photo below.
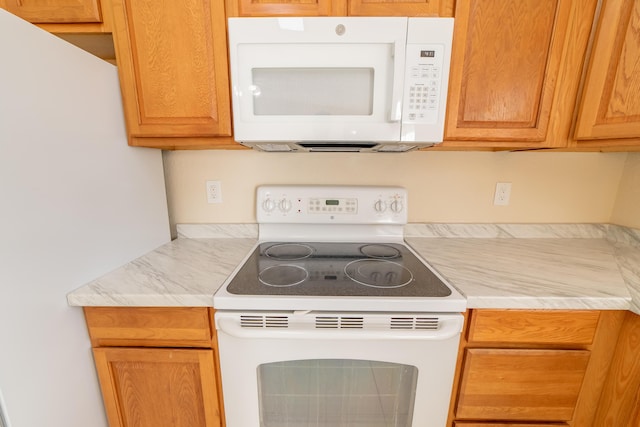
(289, 251)
(378, 273)
(283, 275)
(380, 251)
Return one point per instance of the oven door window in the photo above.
(336, 392)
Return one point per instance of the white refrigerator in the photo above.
(75, 203)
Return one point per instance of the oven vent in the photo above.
(339, 322)
(264, 321)
(421, 323)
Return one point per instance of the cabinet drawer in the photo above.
(533, 326)
(519, 384)
(146, 326)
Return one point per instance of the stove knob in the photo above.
(268, 205)
(285, 205)
(380, 206)
(397, 206)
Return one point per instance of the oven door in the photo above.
(337, 369)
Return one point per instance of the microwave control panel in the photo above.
(423, 83)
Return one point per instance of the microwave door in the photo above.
(319, 92)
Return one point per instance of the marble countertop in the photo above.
(528, 273)
(537, 267)
(184, 272)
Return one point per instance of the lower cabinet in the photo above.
(620, 402)
(533, 367)
(521, 384)
(157, 366)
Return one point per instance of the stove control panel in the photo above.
(307, 204)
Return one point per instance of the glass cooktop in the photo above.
(336, 269)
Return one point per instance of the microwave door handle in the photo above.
(395, 110)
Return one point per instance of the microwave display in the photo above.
(427, 54)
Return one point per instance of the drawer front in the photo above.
(560, 327)
(519, 384)
(149, 326)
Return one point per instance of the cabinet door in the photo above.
(286, 7)
(505, 62)
(524, 385)
(158, 387)
(620, 401)
(172, 61)
(55, 11)
(401, 7)
(611, 99)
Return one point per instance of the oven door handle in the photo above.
(448, 328)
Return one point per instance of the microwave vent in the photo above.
(278, 148)
(396, 148)
(338, 146)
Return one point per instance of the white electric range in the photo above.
(332, 320)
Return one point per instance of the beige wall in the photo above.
(443, 186)
(627, 207)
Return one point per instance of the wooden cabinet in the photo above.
(545, 367)
(156, 366)
(173, 71)
(58, 11)
(401, 7)
(620, 402)
(505, 66)
(286, 8)
(158, 387)
(63, 16)
(610, 103)
(340, 8)
(521, 384)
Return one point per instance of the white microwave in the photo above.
(339, 83)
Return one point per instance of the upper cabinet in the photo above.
(172, 60)
(610, 103)
(525, 74)
(59, 11)
(63, 16)
(340, 7)
(506, 60)
(286, 7)
(401, 7)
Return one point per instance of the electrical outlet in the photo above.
(502, 194)
(214, 192)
